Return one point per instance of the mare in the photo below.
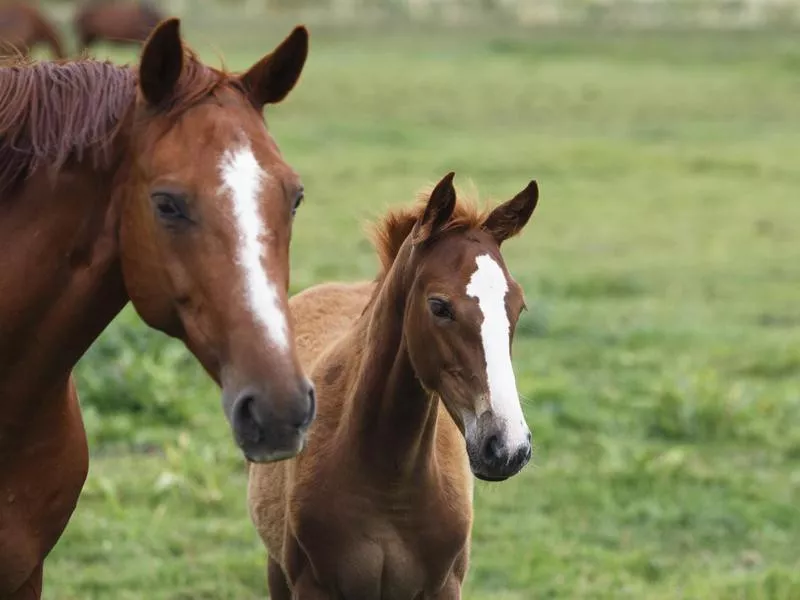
(416, 393)
(160, 185)
(117, 22)
(23, 26)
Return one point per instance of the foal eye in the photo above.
(297, 202)
(441, 309)
(169, 207)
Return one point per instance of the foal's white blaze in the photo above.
(242, 179)
(489, 286)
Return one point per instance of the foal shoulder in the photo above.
(322, 313)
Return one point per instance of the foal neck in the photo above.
(391, 414)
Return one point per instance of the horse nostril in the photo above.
(492, 449)
(245, 421)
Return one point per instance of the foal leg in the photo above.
(31, 589)
(276, 580)
(306, 588)
(450, 591)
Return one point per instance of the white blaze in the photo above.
(242, 178)
(489, 286)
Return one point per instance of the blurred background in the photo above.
(661, 353)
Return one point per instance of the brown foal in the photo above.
(160, 185)
(379, 505)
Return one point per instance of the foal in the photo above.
(380, 503)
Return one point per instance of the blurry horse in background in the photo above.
(416, 393)
(161, 186)
(117, 22)
(23, 26)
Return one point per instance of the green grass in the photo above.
(660, 357)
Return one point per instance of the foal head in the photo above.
(205, 230)
(461, 311)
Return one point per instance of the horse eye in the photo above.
(170, 208)
(298, 201)
(441, 309)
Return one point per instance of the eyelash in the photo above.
(441, 309)
(170, 208)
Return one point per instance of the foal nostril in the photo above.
(492, 449)
(312, 407)
(244, 419)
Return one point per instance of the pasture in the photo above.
(659, 357)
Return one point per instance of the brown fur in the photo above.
(90, 166)
(23, 26)
(380, 503)
(389, 234)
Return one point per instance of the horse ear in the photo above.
(440, 207)
(274, 76)
(162, 62)
(508, 219)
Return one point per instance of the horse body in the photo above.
(119, 22)
(105, 199)
(61, 285)
(380, 503)
(23, 26)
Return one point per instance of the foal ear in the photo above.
(508, 219)
(440, 207)
(161, 62)
(274, 76)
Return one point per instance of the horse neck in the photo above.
(63, 304)
(391, 415)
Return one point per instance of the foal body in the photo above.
(379, 506)
(386, 516)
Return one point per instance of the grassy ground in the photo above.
(661, 353)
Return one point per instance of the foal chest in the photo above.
(391, 554)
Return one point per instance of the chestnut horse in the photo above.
(160, 185)
(23, 26)
(379, 505)
(115, 22)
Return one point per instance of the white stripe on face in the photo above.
(242, 178)
(489, 286)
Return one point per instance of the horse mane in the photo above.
(56, 110)
(389, 233)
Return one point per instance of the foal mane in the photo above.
(389, 233)
(57, 110)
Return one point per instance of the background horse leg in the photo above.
(278, 586)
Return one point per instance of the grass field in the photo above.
(660, 356)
